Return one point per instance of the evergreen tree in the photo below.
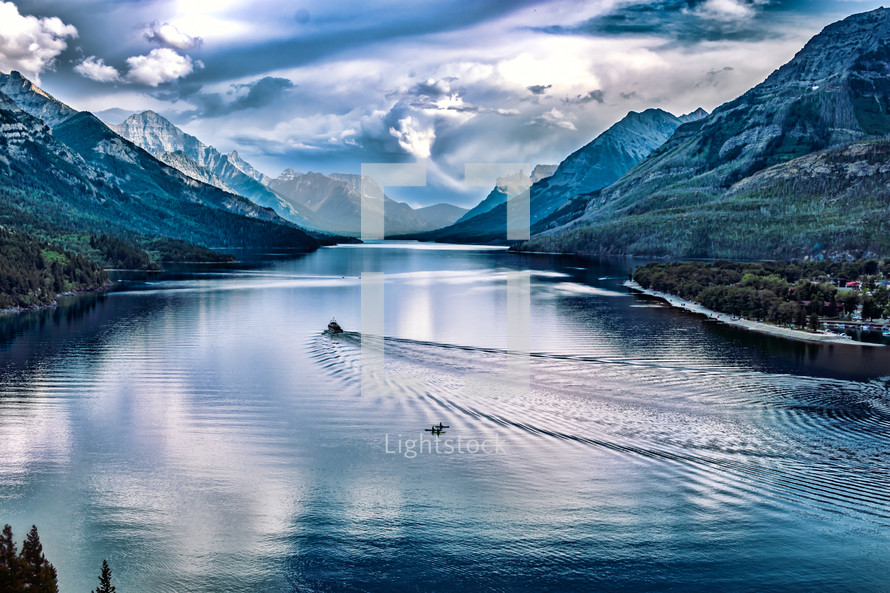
(37, 574)
(10, 571)
(105, 585)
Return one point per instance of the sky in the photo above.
(327, 86)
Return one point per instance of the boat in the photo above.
(334, 327)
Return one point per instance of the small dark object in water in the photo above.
(440, 429)
(334, 327)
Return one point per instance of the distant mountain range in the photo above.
(327, 203)
(792, 168)
(591, 167)
(336, 200)
(69, 177)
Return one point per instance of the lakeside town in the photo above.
(824, 299)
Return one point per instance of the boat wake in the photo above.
(812, 444)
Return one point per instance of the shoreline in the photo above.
(726, 319)
(55, 303)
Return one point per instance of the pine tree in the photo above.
(10, 570)
(38, 574)
(105, 585)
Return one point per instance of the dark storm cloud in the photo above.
(428, 95)
(596, 96)
(688, 22)
(539, 89)
(261, 93)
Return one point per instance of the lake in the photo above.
(199, 430)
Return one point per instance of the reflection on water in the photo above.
(198, 429)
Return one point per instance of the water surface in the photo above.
(200, 431)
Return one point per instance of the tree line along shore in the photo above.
(790, 294)
(34, 270)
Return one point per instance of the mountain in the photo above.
(440, 215)
(694, 116)
(829, 204)
(247, 168)
(591, 167)
(81, 177)
(681, 199)
(34, 100)
(509, 186)
(161, 138)
(335, 200)
(601, 162)
(181, 161)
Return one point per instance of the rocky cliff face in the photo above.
(157, 135)
(180, 161)
(34, 100)
(246, 167)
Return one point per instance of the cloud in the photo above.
(415, 138)
(596, 96)
(30, 44)
(159, 66)
(262, 92)
(255, 95)
(686, 21)
(713, 76)
(726, 10)
(95, 69)
(539, 89)
(169, 36)
(330, 90)
(555, 118)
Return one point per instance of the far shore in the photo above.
(754, 326)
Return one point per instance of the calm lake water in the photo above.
(198, 430)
